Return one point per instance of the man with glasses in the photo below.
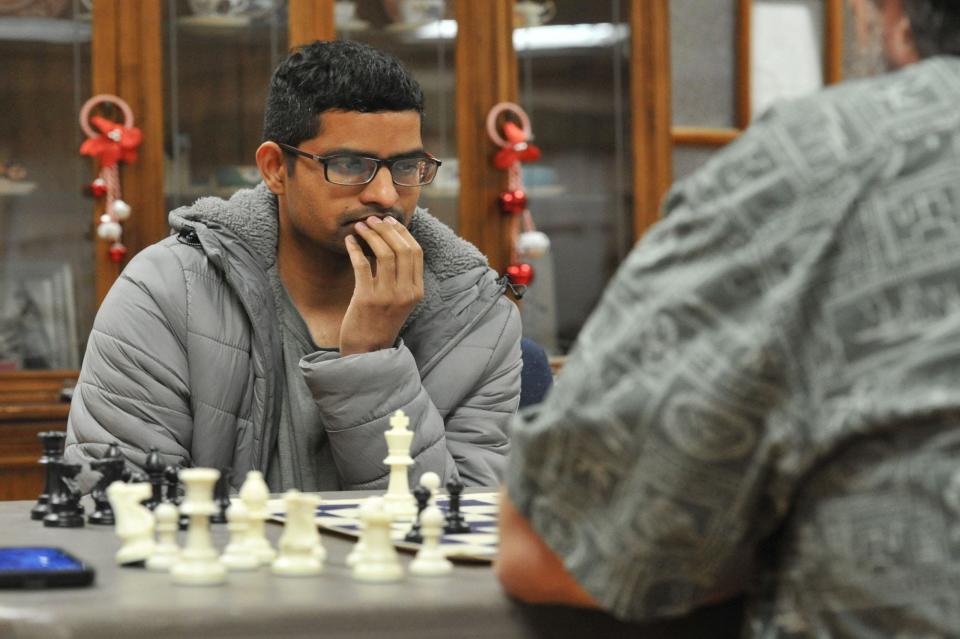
(280, 329)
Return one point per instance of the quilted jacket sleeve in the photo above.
(357, 394)
(133, 386)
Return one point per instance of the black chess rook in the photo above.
(52, 443)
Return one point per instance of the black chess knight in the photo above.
(64, 505)
(111, 469)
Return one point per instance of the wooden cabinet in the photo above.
(30, 403)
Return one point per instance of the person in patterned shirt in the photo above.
(767, 398)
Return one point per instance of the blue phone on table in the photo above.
(41, 567)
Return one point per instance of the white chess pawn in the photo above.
(237, 555)
(166, 552)
(430, 560)
(255, 495)
(431, 481)
(398, 501)
(298, 543)
(198, 564)
(358, 548)
(134, 521)
(378, 561)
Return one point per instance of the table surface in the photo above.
(125, 602)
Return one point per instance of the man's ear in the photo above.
(273, 167)
(901, 47)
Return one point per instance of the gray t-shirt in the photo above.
(774, 375)
(302, 458)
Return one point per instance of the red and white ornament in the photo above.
(112, 144)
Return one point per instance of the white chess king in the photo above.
(398, 501)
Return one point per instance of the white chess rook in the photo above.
(135, 522)
(198, 564)
(237, 556)
(398, 501)
(166, 552)
(255, 495)
(378, 562)
(430, 560)
(298, 555)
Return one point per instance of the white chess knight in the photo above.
(299, 543)
(198, 564)
(398, 501)
(377, 561)
(135, 522)
(237, 555)
(166, 552)
(430, 560)
(255, 495)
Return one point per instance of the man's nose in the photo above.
(380, 190)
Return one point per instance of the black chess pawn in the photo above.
(65, 508)
(455, 523)
(155, 469)
(221, 495)
(110, 469)
(52, 442)
(422, 495)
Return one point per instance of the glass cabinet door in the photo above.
(574, 84)
(422, 34)
(47, 299)
(219, 55)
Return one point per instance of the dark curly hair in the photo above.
(935, 25)
(334, 74)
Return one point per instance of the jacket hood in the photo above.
(250, 215)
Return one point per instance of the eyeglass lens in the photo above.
(352, 170)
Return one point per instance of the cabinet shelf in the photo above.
(50, 30)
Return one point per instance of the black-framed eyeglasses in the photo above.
(347, 169)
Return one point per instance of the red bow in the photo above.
(116, 143)
(519, 150)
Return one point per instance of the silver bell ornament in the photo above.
(533, 244)
(121, 210)
(108, 229)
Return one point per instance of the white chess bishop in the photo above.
(398, 501)
(255, 495)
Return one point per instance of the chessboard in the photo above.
(479, 509)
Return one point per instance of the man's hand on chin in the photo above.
(382, 300)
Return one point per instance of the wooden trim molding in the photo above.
(697, 136)
(833, 47)
(650, 97)
(127, 61)
(486, 72)
(744, 77)
(309, 20)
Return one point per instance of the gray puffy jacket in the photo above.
(185, 355)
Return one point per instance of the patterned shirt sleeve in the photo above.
(646, 469)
